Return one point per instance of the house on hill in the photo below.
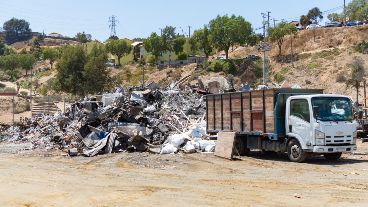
(55, 34)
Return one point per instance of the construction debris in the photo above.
(136, 121)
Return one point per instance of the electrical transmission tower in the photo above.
(112, 25)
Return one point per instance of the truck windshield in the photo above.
(332, 109)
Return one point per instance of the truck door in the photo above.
(299, 119)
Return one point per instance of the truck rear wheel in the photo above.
(295, 151)
(241, 146)
(333, 156)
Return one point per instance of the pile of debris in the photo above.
(156, 121)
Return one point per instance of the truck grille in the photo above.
(338, 140)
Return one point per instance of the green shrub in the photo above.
(25, 84)
(150, 59)
(226, 66)
(24, 93)
(8, 90)
(182, 56)
(312, 66)
(279, 77)
(2, 85)
(362, 47)
(327, 54)
(284, 70)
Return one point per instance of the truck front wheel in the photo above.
(333, 156)
(295, 151)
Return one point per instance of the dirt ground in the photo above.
(141, 179)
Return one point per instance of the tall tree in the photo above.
(2, 48)
(168, 39)
(153, 44)
(16, 30)
(10, 65)
(96, 64)
(83, 37)
(203, 40)
(228, 31)
(119, 48)
(26, 61)
(304, 20)
(70, 77)
(178, 46)
(357, 10)
(315, 15)
(335, 17)
(277, 34)
(356, 75)
(50, 54)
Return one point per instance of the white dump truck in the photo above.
(300, 122)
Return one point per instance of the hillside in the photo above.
(319, 62)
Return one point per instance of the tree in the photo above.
(83, 37)
(315, 15)
(50, 54)
(357, 10)
(178, 46)
(2, 47)
(10, 65)
(70, 77)
(119, 48)
(277, 34)
(304, 21)
(95, 73)
(228, 31)
(16, 30)
(356, 75)
(362, 13)
(26, 61)
(153, 44)
(334, 17)
(202, 40)
(168, 39)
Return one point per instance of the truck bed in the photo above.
(254, 112)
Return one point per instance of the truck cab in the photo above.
(322, 124)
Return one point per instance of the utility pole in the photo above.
(344, 20)
(291, 48)
(268, 20)
(30, 90)
(264, 24)
(189, 30)
(113, 21)
(274, 22)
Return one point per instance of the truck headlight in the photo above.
(355, 136)
(320, 137)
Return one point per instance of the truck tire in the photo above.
(241, 147)
(295, 151)
(333, 156)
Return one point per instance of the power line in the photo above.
(113, 21)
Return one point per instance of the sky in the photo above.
(140, 18)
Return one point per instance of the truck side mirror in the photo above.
(316, 111)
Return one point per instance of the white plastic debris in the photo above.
(168, 149)
(149, 109)
(189, 148)
(204, 143)
(210, 148)
(199, 130)
(178, 139)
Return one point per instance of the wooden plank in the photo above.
(226, 111)
(225, 144)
